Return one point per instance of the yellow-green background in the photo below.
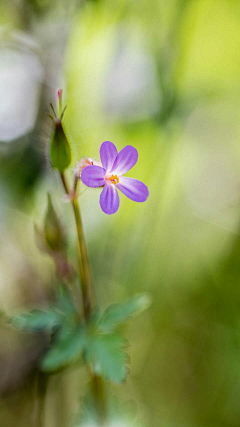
(182, 246)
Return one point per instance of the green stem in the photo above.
(88, 300)
(84, 267)
(83, 263)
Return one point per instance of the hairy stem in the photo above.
(84, 263)
(88, 300)
(84, 267)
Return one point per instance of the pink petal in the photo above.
(133, 189)
(125, 160)
(109, 199)
(93, 176)
(108, 154)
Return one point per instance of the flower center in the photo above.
(114, 179)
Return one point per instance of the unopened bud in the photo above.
(60, 149)
(53, 231)
(83, 163)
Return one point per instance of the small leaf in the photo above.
(36, 320)
(88, 415)
(66, 350)
(119, 313)
(63, 312)
(60, 151)
(118, 414)
(65, 301)
(107, 355)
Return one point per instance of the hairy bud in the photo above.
(53, 231)
(60, 150)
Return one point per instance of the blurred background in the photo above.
(163, 76)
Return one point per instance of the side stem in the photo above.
(38, 414)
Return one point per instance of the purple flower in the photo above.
(111, 178)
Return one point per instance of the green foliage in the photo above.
(97, 342)
(116, 314)
(60, 151)
(88, 415)
(46, 317)
(107, 355)
(118, 414)
(70, 342)
(53, 230)
(65, 303)
(37, 320)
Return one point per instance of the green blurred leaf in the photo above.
(107, 355)
(88, 414)
(65, 302)
(118, 414)
(66, 350)
(47, 317)
(118, 313)
(36, 320)
(60, 151)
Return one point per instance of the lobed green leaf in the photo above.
(107, 355)
(65, 303)
(46, 317)
(97, 342)
(116, 314)
(37, 319)
(67, 349)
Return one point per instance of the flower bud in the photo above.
(60, 152)
(83, 163)
(53, 231)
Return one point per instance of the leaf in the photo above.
(88, 415)
(105, 352)
(36, 320)
(47, 317)
(119, 313)
(66, 350)
(118, 414)
(65, 301)
(107, 355)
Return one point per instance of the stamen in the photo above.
(114, 179)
